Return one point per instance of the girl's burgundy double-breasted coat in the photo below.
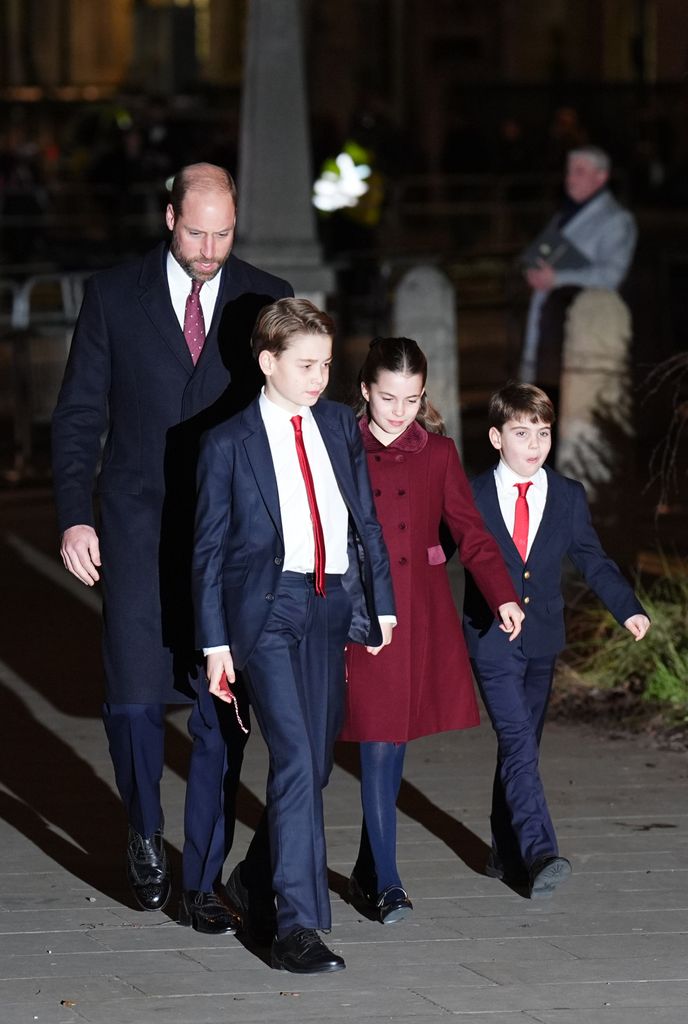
(421, 683)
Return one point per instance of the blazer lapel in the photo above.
(257, 448)
(339, 456)
(488, 502)
(155, 300)
(551, 516)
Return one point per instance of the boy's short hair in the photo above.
(282, 319)
(515, 400)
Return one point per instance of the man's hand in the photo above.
(541, 278)
(387, 630)
(638, 625)
(219, 669)
(80, 552)
(512, 616)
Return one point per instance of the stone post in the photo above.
(424, 309)
(276, 222)
(595, 414)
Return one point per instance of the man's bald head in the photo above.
(200, 178)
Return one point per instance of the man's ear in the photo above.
(495, 438)
(169, 216)
(265, 361)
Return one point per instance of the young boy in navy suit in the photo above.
(289, 562)
(538, 518)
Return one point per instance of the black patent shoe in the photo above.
(148, 873)
(257, 910)
(205, 912)
(387, 907)
(304, 952)
(393, 905)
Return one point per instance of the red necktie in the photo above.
(318, 536)
(194, 325)
(520, 534)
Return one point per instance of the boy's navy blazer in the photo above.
(239, 545)
(566, 530)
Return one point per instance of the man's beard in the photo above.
(189, 265)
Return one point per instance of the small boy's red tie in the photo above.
(520, 534)
(318, 536)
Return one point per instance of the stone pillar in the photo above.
(595, 409)
(424, 309)
(276, 221)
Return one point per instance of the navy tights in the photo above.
(382, 765)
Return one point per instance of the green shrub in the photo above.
(657, 666)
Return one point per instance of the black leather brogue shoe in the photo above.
(148, 873)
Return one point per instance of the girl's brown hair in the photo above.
(399, 355)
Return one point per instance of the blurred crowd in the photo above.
(84, 175)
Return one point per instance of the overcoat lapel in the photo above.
(155, 300)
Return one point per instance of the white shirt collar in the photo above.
(506, 478)
(180, 281)
(276, 415)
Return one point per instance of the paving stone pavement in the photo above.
(611, 947)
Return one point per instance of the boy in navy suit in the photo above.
(538, 518)
(289, 562)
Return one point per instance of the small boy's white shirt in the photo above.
(507, 493)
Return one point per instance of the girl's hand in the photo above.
(387, 630)
(512, 616)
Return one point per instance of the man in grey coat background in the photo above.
(602, 236)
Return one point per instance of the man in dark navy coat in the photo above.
(161, 352)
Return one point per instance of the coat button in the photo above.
(402, 526)
(526, 600)
(377, 458)
(400, 458)
(277, 560)
(526, 574)
(269, 597)
(377, 492)
(403, 561)
(401, 492)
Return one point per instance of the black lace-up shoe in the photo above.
(147, 871)
(257, 910)
(302, 951)
(205, 912)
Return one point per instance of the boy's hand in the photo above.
(219, 669)
(80, 551)
(512, 616)
(387, 630)
(638, 625)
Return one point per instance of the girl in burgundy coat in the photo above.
(421, 683)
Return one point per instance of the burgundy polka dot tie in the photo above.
(194, 325)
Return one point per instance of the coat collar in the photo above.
(414, 439)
